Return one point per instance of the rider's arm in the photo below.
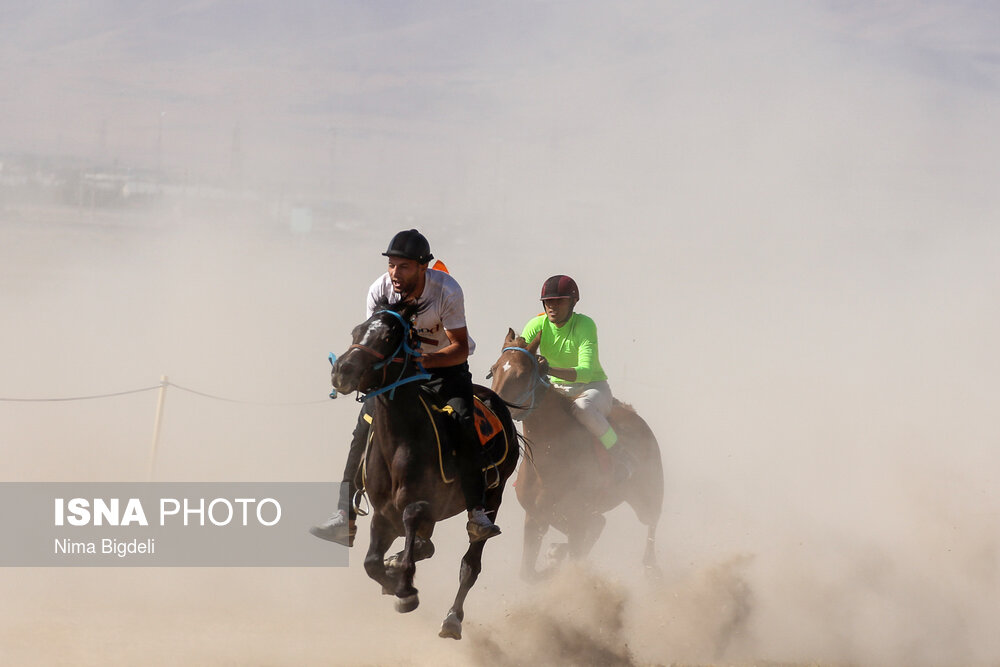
(532, 328)
(377, 290)
(452, 354)
(584, 333)
(568, 374)
(586, 355)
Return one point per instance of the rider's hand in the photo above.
(543, 365)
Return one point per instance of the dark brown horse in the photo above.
(402, 472)
(566, 483)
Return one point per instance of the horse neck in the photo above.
(401, 422)
(552, 410)
(398, 404)
(394, 372)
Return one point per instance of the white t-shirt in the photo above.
(444, 308)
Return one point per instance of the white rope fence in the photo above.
(78, 398)
(160, 401)
(163, 383)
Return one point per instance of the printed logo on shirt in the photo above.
(428, 335)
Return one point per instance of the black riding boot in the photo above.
(470, 465)
(341, 527)
(471, 462)
(352, 469)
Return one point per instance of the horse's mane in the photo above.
(405, 308)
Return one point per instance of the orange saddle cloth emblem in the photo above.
(487, 423)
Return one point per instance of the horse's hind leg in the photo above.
(585, 534)
(649, 557)
(415, 517)
(534, 530)
(472, 564)
(647, 510)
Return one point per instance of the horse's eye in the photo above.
(490, 374)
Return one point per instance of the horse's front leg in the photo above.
(382, 536)
(415, 517)
(472, 565)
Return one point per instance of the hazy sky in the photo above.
(459, 89)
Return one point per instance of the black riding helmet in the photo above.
(410, 244)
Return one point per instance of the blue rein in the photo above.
(537, 380)
(409, 352)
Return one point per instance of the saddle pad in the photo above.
(491, 436)
(489, 427)
(487, 423)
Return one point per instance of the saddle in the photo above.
(489, 428)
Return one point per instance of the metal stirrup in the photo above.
(359, 496)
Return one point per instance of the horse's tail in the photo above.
(647, 486)
(524, 445)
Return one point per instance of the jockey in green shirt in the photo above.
(572, 345)
(569, 345)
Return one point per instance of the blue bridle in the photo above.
(537, 380)
(404, 343)
(385, 360)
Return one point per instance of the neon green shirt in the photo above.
(573, 345)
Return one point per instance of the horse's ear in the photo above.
(533, 345)
(510, 337)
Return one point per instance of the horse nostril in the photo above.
(344, 376)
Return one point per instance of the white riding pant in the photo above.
(592, 404)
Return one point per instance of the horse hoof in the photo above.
(392, 562)
(422, 550)
(557, 552)
(407, 604)
(451, 628)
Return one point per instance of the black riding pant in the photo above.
(454, 385)
(352, 470)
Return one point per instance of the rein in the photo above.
(537, 380)
(385, 360)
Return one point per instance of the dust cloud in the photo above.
(782, 217)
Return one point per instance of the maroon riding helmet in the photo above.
(559, 287)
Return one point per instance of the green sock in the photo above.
(609, 438)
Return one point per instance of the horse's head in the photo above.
(516, 375)
(382, 340)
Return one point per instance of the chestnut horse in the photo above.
(402, 473)
(566, 483)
